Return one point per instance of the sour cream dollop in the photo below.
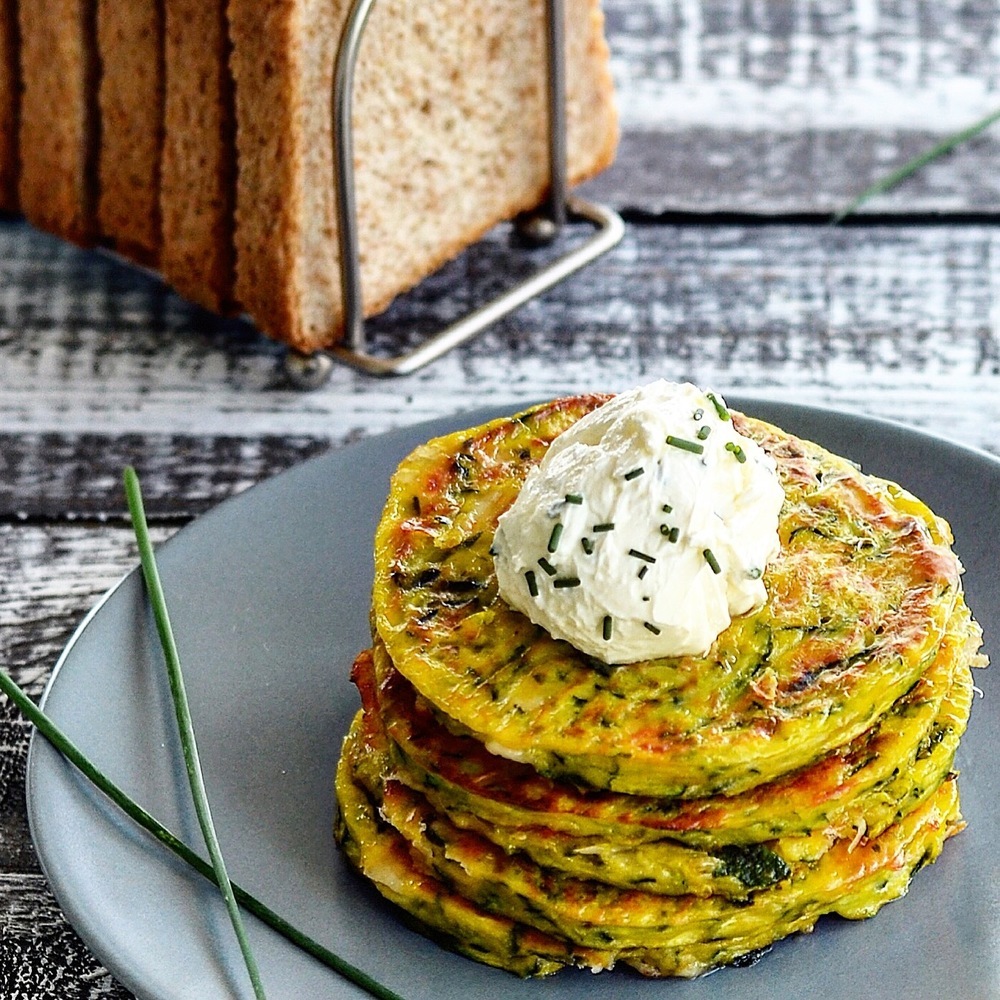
(645, 528)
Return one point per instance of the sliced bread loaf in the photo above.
(450, 138)
(59, 128)
(130, 43)
(199, 154)
(10, 99)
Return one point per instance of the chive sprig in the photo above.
(182, 712)
(69, 750)
(918, 162)
(235, 896)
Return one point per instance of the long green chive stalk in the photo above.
(189, 745)
(62, 743)
(946, 145)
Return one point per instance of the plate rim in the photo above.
(422, 430)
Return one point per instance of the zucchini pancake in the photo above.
(537, 786)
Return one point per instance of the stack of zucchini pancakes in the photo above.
(532, 807)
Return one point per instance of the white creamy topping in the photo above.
(644, 529)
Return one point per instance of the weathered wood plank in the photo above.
(699, 168)
(17, 854)
(794, 107)
(40, 956)
(80, 475)
(49, 578)
(797, 106)
(867, 64)
(896, 321)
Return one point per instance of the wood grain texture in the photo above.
(804, 63)
(51, 576)
(40, 955)
(703, 169)
(797, 106)
(895, 321)
(49, 579)
(78, 476)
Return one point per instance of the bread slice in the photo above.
(450, 138)
(59, 123)
(130, 42)
(198, 181)
(10, 99)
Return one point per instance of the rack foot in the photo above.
(535, 229)
(307, 371)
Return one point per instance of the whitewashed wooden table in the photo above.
(744, 126)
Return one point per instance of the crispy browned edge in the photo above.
(59, 128)
(198, 178)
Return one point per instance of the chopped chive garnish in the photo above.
(685, 445)
(557, 530)
(416, 506)
(651, 627)
(529, 576)
(642, 572)
(182, 711)
(566, 581)
(711, 560)
(547, 566)
(703, 432)
(607, 627)
(588, 545)
(636, 554)
(634, 474)
(755, 572)
(699, 413)
(607, 526)
(719, 408)
(574, 498)
(675, 533)
(738, 452)
(666, 508)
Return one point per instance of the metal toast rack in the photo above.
(311, 370)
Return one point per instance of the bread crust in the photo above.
(10, 99)
(197, 191)
(450, 138)
(59, 127)
(130, 44)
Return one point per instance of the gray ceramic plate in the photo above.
(269, 598)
